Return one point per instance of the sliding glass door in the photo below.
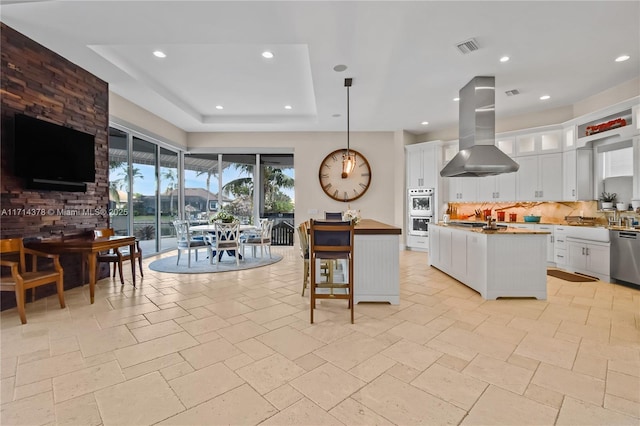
(144, 190)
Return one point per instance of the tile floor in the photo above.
(237, 348)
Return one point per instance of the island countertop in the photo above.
(373, 227)
(501, 231)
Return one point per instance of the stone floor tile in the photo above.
(34, 410)
(623, 386)
(87, 380)
(350, 351)
(201, 385)
(283, 396)
(303, 412)
(129, 403)
(48, 368)
(240, 406)
(499, 373)
(497, 406)
(456, 388)
(351, 412)
(82, 410)
(372, 367)
(549, 350)
(575, 412)
(412, 354)
(580, 386)
(327, 385)
(156, 348)
(622, 405)
(281, 340)
(241, 331)
(402, 403)
(152, 365)
(544, 395)
(270, 373)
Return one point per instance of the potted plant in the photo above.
(608, 199)
(223, 217)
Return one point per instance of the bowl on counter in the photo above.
(532, 218)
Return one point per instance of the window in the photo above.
(618, 162)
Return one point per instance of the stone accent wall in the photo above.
(40, 83)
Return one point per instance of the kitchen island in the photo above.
(376, 265)
(508, 262)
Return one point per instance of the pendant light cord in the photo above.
(347, 120)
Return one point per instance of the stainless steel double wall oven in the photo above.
(420, 210)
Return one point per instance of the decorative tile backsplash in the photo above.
(551, 212)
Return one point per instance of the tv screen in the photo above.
(48, 151)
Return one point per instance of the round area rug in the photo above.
(202, 266)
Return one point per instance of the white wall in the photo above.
(385, 197)
(130, 115)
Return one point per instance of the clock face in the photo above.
(344, 189)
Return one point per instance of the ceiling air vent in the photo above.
(468, 46)
(512, 92)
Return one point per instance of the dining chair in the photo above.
(262, 239)
(227, 239)
(326, 266)
(331, 241)
(333, 215)
(187, 243)
(12, 256)
(118, 255)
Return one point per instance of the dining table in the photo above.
(88, 247)
(211, 229)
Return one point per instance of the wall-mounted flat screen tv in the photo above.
(51, 152)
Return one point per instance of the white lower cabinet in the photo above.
(589, 257)
(560, 246)
(550, 242)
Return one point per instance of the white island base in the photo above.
(510, 263)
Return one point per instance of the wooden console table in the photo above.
(88, 247)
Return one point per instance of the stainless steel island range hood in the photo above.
(478, 155)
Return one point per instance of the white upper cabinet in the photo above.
(497, 188)
(539, 177)
(421, 163)
(507, 145)
(539, 142)
(570, 137)
(577, 175)
(462, 189)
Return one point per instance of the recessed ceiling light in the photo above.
(340, 68)
(159, 54)
(504, 59)
(219, 107)
(287, 107)
(544, 97)
(456, 99)
(424, 123)
(267, 54)
(622, 58)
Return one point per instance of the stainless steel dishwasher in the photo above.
(625, 256)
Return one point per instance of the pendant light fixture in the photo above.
(348, 158)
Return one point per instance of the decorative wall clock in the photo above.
(349, 188)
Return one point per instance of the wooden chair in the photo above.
(119, 255)
(20, 279)
(331, 241)
(261, 239)
(326, 266)
(227, 239)
(333, 215)
(187, 243)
